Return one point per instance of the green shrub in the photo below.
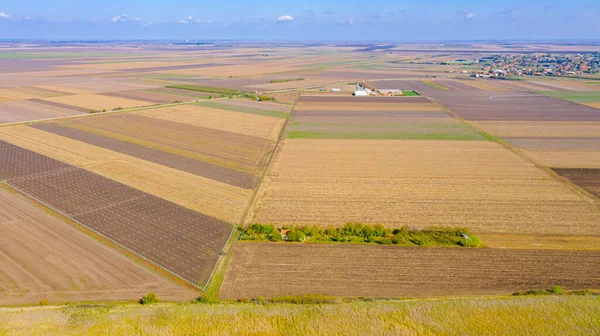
(43, 302)
(296, 235)
(149, 298)
(305, 299)
(472, 241)
(557, 290)
(206, 299)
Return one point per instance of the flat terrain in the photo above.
(420, 183)
(44, 258)
(180, 240)
(575, 315)
(588, 179)
(275, 269)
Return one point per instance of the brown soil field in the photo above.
(486, 106)
(277, 269)
(291, 84)
(566, 159)
(99, 85)
(98, 102)
(234, 70)
(195, 192)
(484, 85)
(43, 258)
(229, 149)
(200, 168)
(68, 90)
(153, 97)
(35, 109)
(541, 129)
(419, 183)
(381, 118)
(588, 179)
(577, 144)
(144, 224)
(379, 107)
(28, 92)
(243, 123)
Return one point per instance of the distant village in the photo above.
(505, 65)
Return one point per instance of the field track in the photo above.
(276, 269)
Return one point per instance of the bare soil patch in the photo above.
(588, 179)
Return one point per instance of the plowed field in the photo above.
(276, 269)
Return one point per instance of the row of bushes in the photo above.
(363, 233)
(209, 89)
(286, 80)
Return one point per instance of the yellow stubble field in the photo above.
(98, 102)
(474, 184)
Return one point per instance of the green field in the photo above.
(531, 315)
(575, 96)
(385, 131)
(243, 109)
(410, 93)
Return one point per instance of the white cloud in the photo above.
(285, 18)
(192, 19)
(469, 16)
(349, 21)
(4, 16)
(120, 18)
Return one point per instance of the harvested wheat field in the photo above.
(566, 159)
(242, 123)
(419, 183)
(541, 129)
(35, 109)
(484, 85)
(276, 269)
(198, 193)
(98, 102)
(44, 258)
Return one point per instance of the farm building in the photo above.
(360, 93)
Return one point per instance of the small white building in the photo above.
(360, 93)
(335, 90)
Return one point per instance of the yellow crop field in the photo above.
(98, 102)
(541, 129)
(15, 94)
(476, 184)
(484, 85)
(223, 120)
(594, 105)
(374, 107)
(566, 159)
(65, 89)
(195, 192)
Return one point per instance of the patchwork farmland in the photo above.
(179, 240)
(42, 258)
(199, 147)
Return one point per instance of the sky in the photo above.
(308, 20)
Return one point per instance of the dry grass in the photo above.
(99, 102)
(540, 241)
(223, 120)
(541, 129)
(479, 185)
(195, 192)
(565, 316)
(594, 105)
(484, 85)
(70, 90)
(566, 159)
(375, 107)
